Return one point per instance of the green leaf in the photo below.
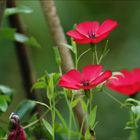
(33, 42)
(59, 128)
(92, 117)
(7, 33)
(56, 77)
(132, 102)
(17, 10)
(21, 38)
(3, 104)
(87, 134)
(39, 85)
(57, 55)
(5, 97)
(48, 127)
(50, 88)
(6, 90)
(84, 106)
(61, 118)
(136, 109)
(2, 133)
(24, 108)
(75, 102)
(27, 40)
(71, 48)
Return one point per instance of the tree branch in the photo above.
(22, 54)
(2, 8)
(58, 36)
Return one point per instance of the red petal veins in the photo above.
(75, 34)
(107, 26)
(91, 72)
(102, 78)
(86, 28)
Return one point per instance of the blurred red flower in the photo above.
(128, 83)
(91, 76)
(92, 31)
(16, 131)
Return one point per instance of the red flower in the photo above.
(91, 76)
(92, 31)
(128, 83)
(16, 132)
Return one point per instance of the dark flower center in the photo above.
(91, 35)
(85, 83)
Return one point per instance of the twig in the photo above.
(58, 36)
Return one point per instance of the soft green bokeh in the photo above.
(124, 43)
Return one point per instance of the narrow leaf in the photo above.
(61, 118)
(92, 117)
(48, 127)
(17, 10)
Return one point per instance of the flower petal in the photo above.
(70, 79)
(83, 41)
(100, 38)
(91, 72)
(107, 26)
(87, 27)
(75, 34)
(68, 85)
(103, 77)
(124, 89)
(127, 84)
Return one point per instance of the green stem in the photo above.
(83, 121)
(70, 116)
(78, 59)
(90, 101)
(133, 132)
(112, 97)
(53, 118)
(36, 121)
(52, 105)
(41, 103)
(96, 55)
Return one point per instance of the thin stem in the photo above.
(82, 128)
(78, 59)
(53, 118)
(96, 55)
(52, 105)
(40, 103)
(116, 100)
(60, 70)
(70, 114)
(36, 121)
(90, 101)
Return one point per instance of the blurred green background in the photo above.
(124, 44)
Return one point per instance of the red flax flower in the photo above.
(16, 131)
(92, 31)
(91, 76)
(128, 83)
